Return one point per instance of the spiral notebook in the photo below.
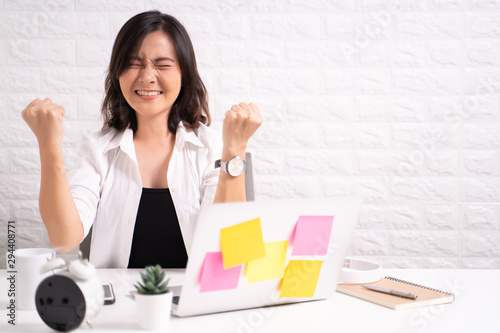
(426, 295)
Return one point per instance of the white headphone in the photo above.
(359, 271)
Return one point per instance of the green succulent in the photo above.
(152, 281)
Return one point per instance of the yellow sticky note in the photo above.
(301, 278)
(242, 243)
(272, 266)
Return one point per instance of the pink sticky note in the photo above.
(312, 235)
(213, 275)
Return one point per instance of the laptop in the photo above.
(263, 253)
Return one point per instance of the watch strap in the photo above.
(218, 164)
(222, 165)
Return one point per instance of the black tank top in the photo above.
(157, 235)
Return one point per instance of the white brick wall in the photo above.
(394, 100)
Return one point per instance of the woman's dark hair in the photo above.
(191, 106)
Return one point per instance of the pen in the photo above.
(392, 292)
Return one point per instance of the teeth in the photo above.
(148, 93)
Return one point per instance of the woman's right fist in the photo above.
(45, 120)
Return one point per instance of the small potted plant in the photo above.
(154, 299)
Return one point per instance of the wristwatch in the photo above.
(234, 167)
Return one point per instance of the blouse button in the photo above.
(174, 189)
(183, 218)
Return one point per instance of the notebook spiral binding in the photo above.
(419, 285)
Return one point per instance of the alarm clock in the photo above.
(69, 297)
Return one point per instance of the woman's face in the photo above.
(152, 81)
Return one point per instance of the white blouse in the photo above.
(106, 187)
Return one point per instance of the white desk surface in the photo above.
(476, 309)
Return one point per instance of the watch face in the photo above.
(236, 166)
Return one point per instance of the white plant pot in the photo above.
(153, 311)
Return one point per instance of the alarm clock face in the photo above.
(60, 303)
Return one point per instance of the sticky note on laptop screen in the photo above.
(242, 243)
(312, 235)
(214, 277)
(301, 278)
(272, 266)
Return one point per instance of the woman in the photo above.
(141, 181)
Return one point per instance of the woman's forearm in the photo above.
(57, 207)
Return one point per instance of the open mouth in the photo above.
(148, 92)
